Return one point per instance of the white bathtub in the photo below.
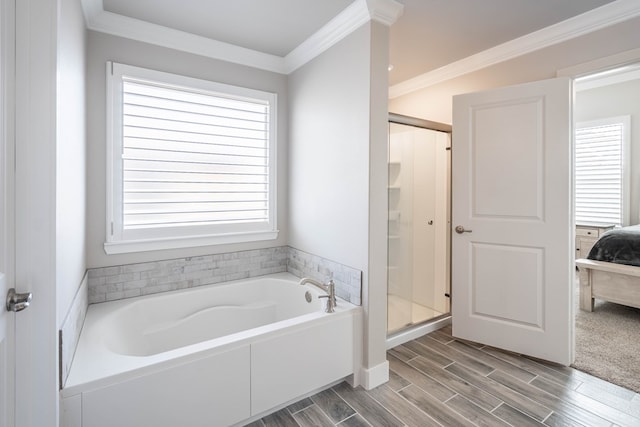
(210, 356)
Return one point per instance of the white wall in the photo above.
(329, 153)
(620, 99)
(103, 48)
(71, 154)
(337, 139)
(434, 103)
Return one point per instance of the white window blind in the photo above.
(190, 158)
(600, 172)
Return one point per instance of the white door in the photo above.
(512, 194)
(7, 341)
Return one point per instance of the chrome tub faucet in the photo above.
(329, 288)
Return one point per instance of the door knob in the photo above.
(460, 229)
(17, 302)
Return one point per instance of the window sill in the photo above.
(129, 246)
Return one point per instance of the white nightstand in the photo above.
(586, 236)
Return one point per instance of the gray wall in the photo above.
(434, 103)
(337, 137)
(328, 153)
(70, 154)
(620, 99)
(103, 48)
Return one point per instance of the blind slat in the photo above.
(168, 197)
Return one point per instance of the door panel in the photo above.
(511, 278)
(492, 300)
(514, 132)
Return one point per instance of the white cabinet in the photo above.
(587, 235)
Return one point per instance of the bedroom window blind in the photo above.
(191, 158)
(601, 172)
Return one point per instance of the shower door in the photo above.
(418, 233)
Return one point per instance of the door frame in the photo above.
(415, 331)
(621, 59)
(36, 334)
(629, 57)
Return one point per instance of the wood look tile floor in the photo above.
(436, 380)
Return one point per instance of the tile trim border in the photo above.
(69, 333)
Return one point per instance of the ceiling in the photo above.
(428, 35)
(270, 26)
(434, 33)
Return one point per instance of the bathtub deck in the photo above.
(464, 384)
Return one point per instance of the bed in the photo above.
(611, 272)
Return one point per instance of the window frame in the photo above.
(119, 240)
(625, 121)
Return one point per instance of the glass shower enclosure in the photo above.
(418, 262)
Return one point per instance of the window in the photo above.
(190, 162)
(602, 171)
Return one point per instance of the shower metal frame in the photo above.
(416, 330)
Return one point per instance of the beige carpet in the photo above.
(608, 344)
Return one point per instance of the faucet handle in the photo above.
(331, 303)
(331, 288)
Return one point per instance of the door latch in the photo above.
(17, 302)
(460, 229)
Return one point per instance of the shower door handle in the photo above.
(460, 229)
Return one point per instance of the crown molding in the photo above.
(91, 9)
(118, 25)
(350, 19)
(346, 22)
(343, 24)
(593, 20)
(386, 12)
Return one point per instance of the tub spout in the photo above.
(329, 288)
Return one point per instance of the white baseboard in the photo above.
(373, 377)
(413, 333)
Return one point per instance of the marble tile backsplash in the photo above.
(348, 280)
(132, 280)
